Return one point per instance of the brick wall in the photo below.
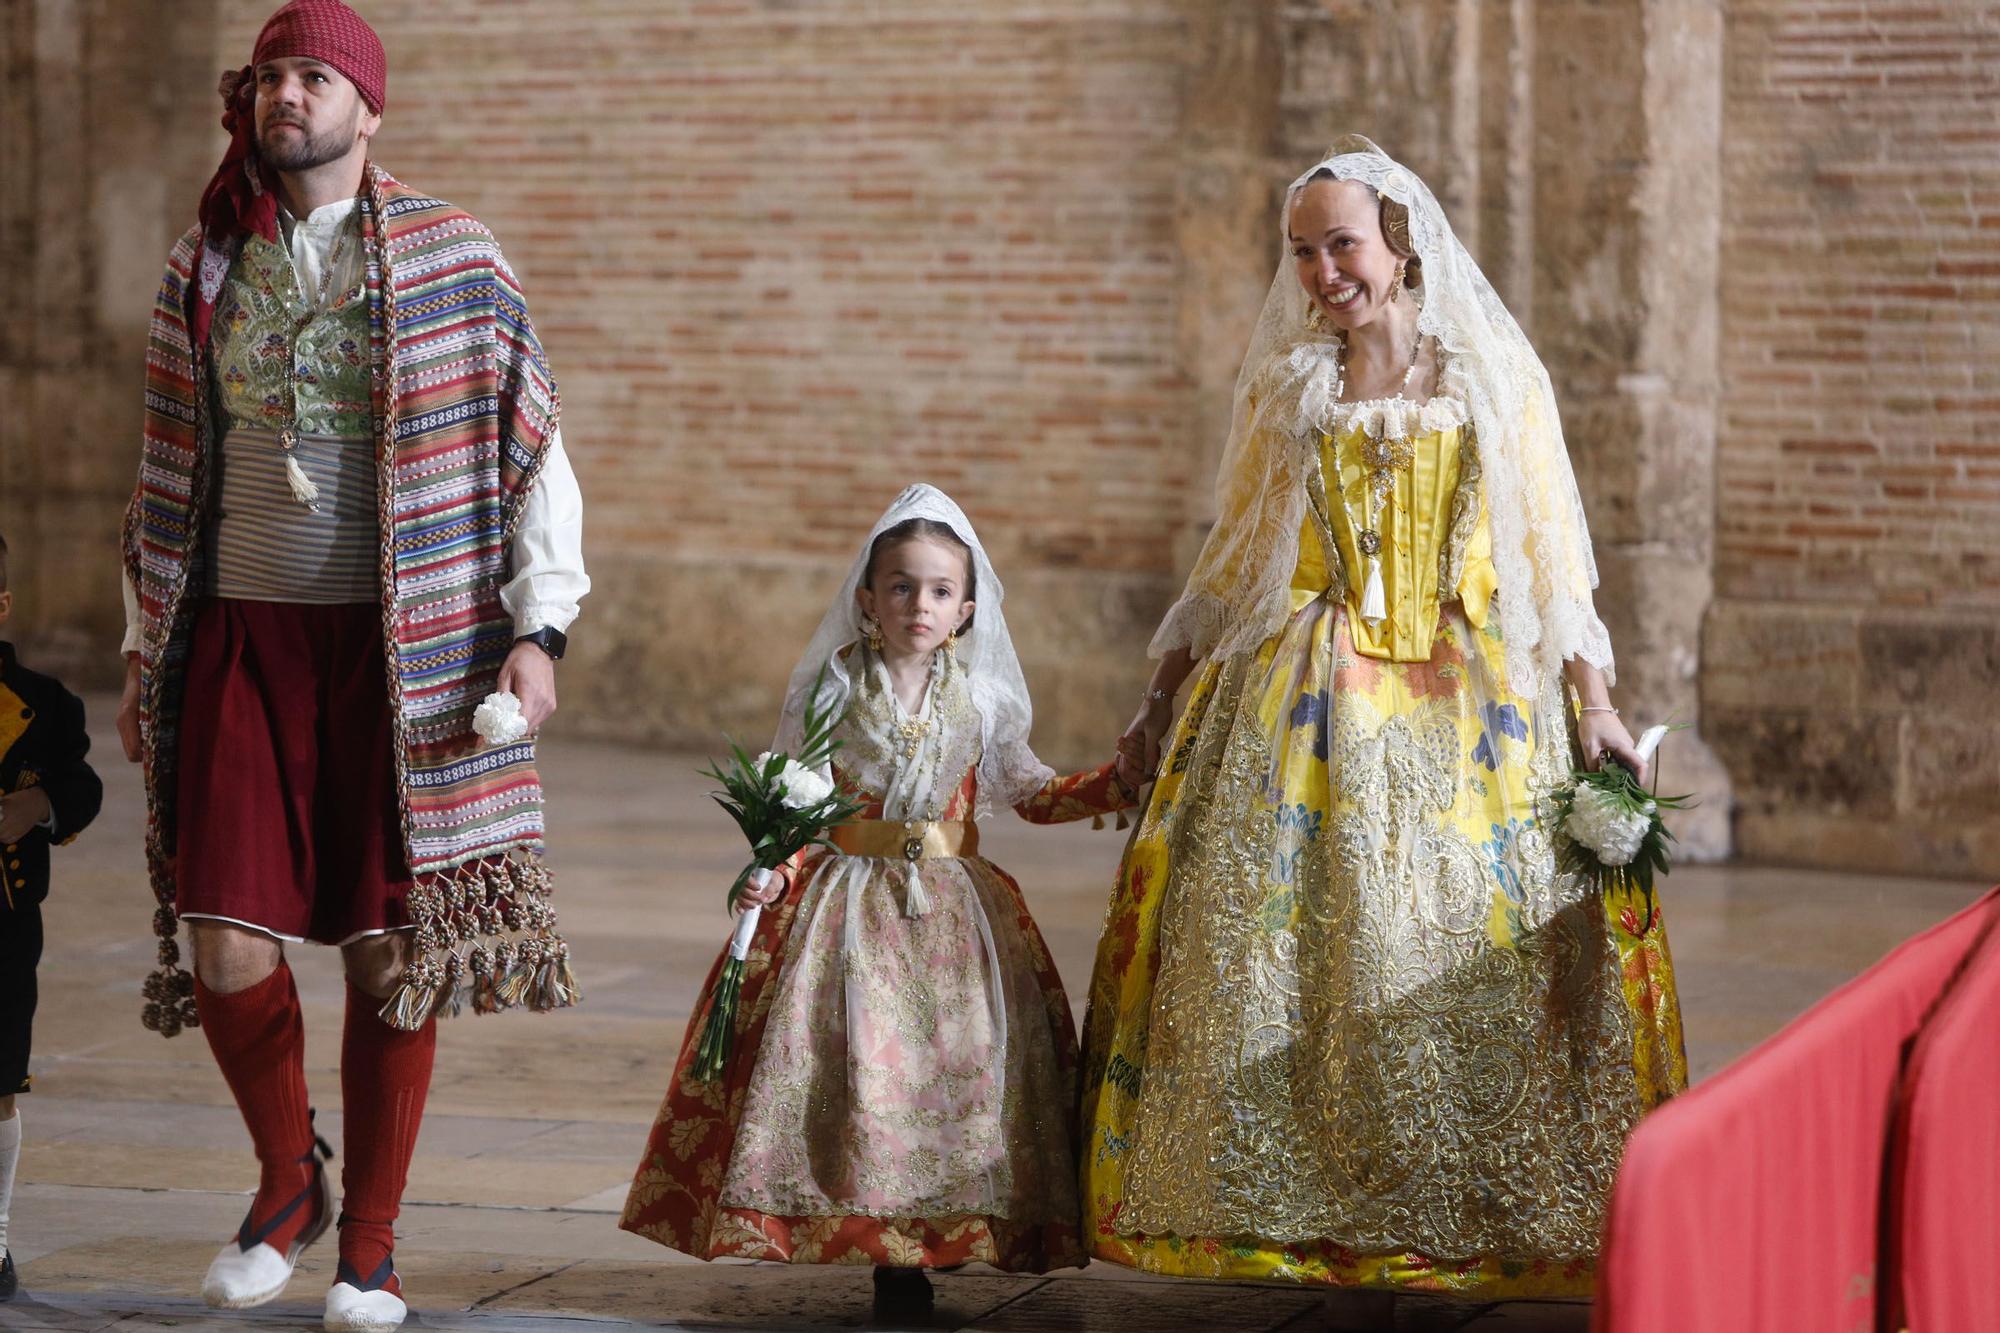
(106, 131)
(788, 258)
(1855, 648)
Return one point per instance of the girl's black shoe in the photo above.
(902, 1291)
(10, 1281)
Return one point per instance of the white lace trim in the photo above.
(1317, 365)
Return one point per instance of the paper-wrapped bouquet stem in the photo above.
(784, 804)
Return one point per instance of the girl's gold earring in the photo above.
(872, 632)
(951, 641)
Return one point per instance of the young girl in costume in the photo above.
(903, 1077)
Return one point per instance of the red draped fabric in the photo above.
(1755, 1201)
(1944, 1241)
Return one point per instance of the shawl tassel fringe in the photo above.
(486, 939)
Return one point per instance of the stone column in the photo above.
(111, 117)
(1627, 188)
(1231, 180)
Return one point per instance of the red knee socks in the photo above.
(259, 1040)
(258, 1036)
(384, 1076)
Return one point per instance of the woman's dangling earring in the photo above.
(1396, 287)
(872, 632)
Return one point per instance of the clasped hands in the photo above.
(1139, 746)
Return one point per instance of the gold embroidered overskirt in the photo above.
(1350, 1022)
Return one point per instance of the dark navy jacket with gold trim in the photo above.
(42, 744)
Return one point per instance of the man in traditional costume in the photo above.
(354, 520)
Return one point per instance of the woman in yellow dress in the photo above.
(1355, 1019)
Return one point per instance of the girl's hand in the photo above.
(763, 888)
(1602, 733)
(1139, 747)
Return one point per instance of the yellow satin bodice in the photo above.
(1435, 544)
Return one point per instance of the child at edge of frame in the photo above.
(48, 795)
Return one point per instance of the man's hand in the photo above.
(21, 812)
(128, 711)
(530, 676)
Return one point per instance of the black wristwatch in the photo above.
(549, 639)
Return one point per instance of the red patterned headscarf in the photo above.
(323, 30)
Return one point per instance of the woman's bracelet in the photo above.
(1594, 708)
(1159, 696)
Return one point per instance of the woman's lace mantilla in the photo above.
(1541, 546)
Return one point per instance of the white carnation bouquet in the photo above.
(783, 803)
(498, 720)
(1615, 826)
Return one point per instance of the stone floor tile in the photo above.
(1115, 1307)
(31, 1313)
(1534, 1317)
(1417, 1312)
(743, 1296)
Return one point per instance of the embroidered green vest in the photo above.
(256, 354)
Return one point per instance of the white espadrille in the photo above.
(355, 1304)
(250, 1272)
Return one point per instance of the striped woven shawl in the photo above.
(464, 402)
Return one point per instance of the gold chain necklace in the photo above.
(304, 491)
(912, 730)
(1383, 458)
(911, 733)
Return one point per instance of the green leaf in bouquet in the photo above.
(736, 812)
(734, 893)
(718, 1034)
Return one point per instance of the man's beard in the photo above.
(305, 150)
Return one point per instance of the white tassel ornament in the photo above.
(303, 489)
(1374, 606)
(916, 902)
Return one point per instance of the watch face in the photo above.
(549, 640)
